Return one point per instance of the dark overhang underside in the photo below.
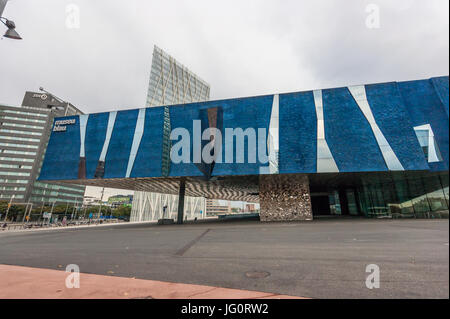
(244, 188)
(236, 188)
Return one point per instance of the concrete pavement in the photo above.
(319, 259)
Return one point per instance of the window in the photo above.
(23, 125)
(23, 119)
(18, 152)
(16, 159)
(13, 181)
(20, 132)
(12, 188)
(19, 138)
(428, 143)
(14, 173)
(9, 196)
(15, 166)
(18, 145)
(25, 113)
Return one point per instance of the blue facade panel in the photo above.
(250, 113)
(182, 116)
(245, 113)
(63, 153)
(392, 118)
(149, 156)
(298, 133)
(95, 137)
(349, 135)
(425, 107)
(120, 145)
(441, 86)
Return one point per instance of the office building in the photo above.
(24, 134)
(214, 207)
(172, 83)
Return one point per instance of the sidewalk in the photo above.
(18, 230)
(17, 282)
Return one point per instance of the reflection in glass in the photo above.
(444, 182)
(335, 204)
(418, 196)
(435, 193)
(351, 202)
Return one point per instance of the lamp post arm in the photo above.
(2, 6)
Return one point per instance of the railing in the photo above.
(6, 226)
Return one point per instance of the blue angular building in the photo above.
(370, 150)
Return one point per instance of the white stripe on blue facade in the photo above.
(111, 121)
(392, 162)
(83, 125)
(138, 132)
(325, 160)
(273, 138)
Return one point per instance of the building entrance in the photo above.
(320, 204)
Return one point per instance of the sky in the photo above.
(97, 54)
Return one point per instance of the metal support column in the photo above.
(181, 201)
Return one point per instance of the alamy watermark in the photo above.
(258, 149)
(72, 16)
(373, 18)
(373, 279)
(73, 279)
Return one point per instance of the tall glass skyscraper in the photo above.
(170, 83)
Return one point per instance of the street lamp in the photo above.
(11, 32)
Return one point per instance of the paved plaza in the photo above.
(318, 259)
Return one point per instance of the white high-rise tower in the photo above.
(170, 83)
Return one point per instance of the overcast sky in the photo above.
(241, 48)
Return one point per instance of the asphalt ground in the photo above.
(318, 259)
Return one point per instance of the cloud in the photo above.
(242, 48)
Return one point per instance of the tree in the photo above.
(122, 211)
(14, 210)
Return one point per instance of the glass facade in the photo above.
(39, 127)
(19, 139)
(16, 159)
(19, 145)
(23, 119)
(404, 194)
(18, 152)
(58, 199)
(6, 196)
(335, 205)
(351, 202)
(20, 132)
(410, 194)
(172, 83)
(25, 113)
(13, 181)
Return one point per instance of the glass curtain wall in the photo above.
(404, 194)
